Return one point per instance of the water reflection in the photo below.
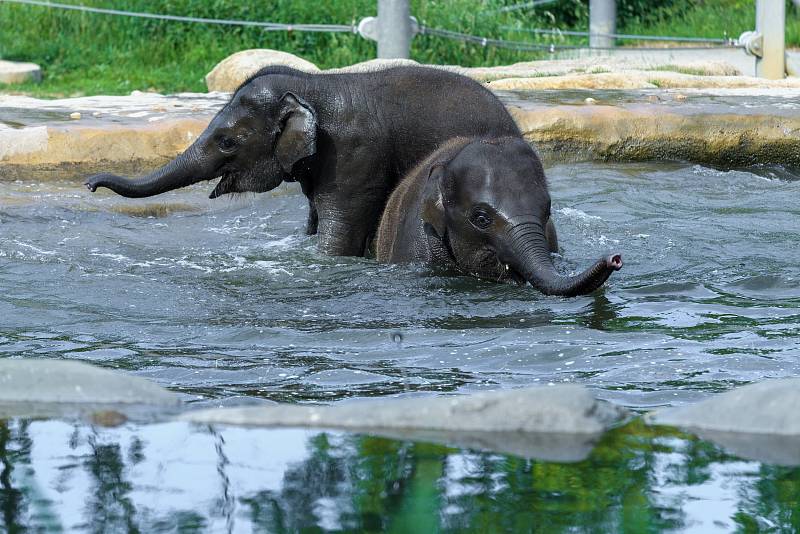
(171, 477)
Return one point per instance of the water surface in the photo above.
(229, 298)
(228, 302)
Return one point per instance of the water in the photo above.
(228, 302)
(175, 478)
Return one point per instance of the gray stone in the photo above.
(767, 448)
(558, 423)
(229, 73)
(44, 387)
(14, 72)
(769, 407)
(759, 421)
(373, 65)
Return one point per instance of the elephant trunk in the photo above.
(530, 255)
(186, 169)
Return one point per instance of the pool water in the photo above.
(229, 303)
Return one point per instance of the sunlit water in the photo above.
(228, 302)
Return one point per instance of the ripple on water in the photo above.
(232, 300)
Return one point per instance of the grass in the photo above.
(91, 53)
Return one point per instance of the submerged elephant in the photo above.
(347, 138)
(481, 206)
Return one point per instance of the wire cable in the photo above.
(266, 26)
(628, 36)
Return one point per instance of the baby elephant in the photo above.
(481, 206)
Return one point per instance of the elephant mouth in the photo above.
(512, 275)
(224, 186)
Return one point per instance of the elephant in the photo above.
(347, 138)
(481, 206)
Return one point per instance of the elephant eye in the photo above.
(480, 219)
(226, 143)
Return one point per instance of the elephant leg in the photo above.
(550, 234)
(341, 237)
(312, 224)
(348, 232)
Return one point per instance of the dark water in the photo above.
(228, 302)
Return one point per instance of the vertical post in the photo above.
(602, 21)
(394, 29)
(771, 24)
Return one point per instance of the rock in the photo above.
(766, 448)
(373, 65)
(574, 81)
(75, 115)
(642, 132)
(589, 100)
(229, 73)
(13, 72)
(634, 79)
(759, 421)
(76, 151)
(154, 209)
(769, 407)
(50, 387)
(123, 141)
(595, 65)
(559, 422)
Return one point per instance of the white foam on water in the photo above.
(573, 213)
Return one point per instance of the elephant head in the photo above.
(251, 144)
(490, 207)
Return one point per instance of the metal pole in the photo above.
(771, 24)
(602, 21)
(394, 29)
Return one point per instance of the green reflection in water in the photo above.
(637, 479)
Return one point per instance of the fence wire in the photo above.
(525, 46)
(266, 26)
(624, 36)
(352, 28)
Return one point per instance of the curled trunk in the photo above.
(530, 255)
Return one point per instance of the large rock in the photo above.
(769, 407)
(644, 132)
(229, 73)
(759, 421)
(558, 423)
(561, 409)
(373, 65)
(14, 72)
(44, 387)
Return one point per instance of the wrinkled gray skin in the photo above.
(347, 138)
(481, 206)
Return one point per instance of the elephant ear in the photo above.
(298, 136)
(432, 202)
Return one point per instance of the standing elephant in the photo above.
(347, 138)
(481, 206)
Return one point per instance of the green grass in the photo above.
(91, 53)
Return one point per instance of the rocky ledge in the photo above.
(584, 109)
(70, 138)
(555, 423)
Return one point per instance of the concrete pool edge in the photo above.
(136, 133)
